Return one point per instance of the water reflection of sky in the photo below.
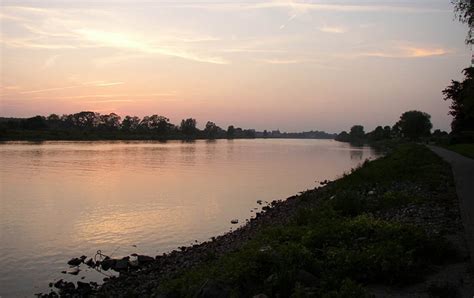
(64, 199)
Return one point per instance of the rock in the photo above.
(83, 288)
(121, 265)
(259, 202)
(75, 262)
(90, 263)
(58, 284)
(260, 296)
(234, 221)
(107, 264)
(74, 271)
(306, 278)
(212, 289)
(144, 260)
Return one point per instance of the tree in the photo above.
(86, 120)
(343, 137)
(357, 132)
(37, 122)
(461, 95)
(188, 127)
(110, 121)
(230, 132)
(464, 10)
(387, 132)
(377, 134)
(130, 123)
(415, 124)
(212, 130)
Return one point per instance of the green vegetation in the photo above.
(464, 149)
(336, 244)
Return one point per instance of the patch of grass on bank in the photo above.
(464, 149)
(335, 248)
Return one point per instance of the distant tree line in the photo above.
(92, 125)
(413, 125)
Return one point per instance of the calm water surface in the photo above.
(63, 199)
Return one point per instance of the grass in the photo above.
(338, 247)
(464, 149)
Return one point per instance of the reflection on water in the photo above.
(63, 199)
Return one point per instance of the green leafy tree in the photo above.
(414, 124)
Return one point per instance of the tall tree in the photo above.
(464, 10)
(357, 132)
(130, 123)
(230, 132)
(461, 95)
(188, 127)
(415, 124)
(212, 130)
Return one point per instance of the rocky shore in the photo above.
(144, 275)
(433, 208)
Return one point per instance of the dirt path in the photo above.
(463, 171)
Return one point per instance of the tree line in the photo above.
(93, 125)
(413, 125)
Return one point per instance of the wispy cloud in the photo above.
(407, 52)
(130, 95)
(106, 84)
(333, 29)
(122, 41)
(55, 29)
(282, 61)
(95, 84)
(342, 6)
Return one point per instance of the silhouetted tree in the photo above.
(415, 124)
(85, 120)
(461, 95)
(377, 134)
(357, 132)
(110, 121)
(37, 122)
(464, 10)
(188, 127)
(212, 130)
(130, 123)
(387, 132)
(343, 137)
(230, 132)
(54, 121)
(158, 124)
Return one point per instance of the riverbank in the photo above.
(391, 226)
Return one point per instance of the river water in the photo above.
(60, 200)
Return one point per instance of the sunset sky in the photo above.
(288, 65)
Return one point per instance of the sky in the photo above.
(283, 64)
